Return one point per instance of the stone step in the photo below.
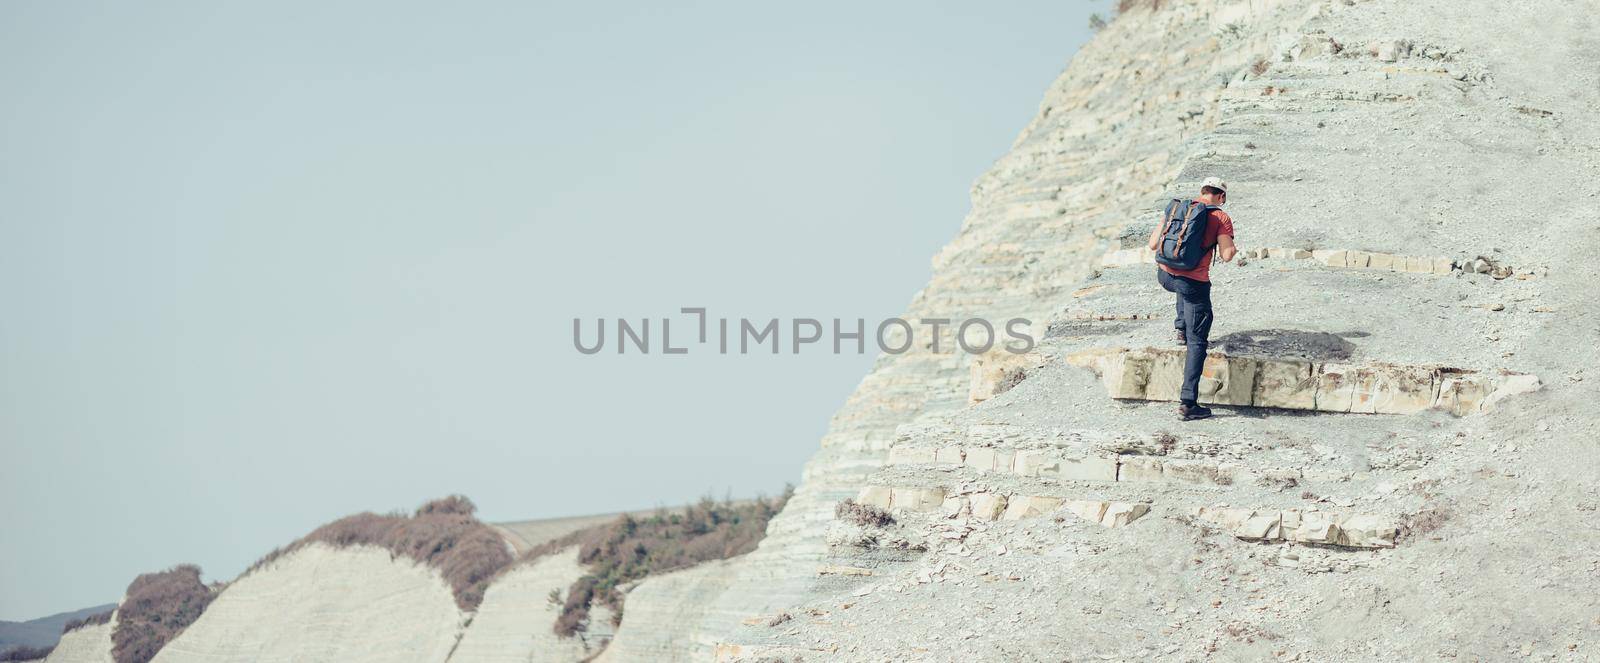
(999, 506)
(1298, 384)
(1194, 459)
(1306, 526)
(1295, 525)
(1067, 464)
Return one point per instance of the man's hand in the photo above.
(1225, 248)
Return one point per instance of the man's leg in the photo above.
(1177, 320)
(1197, 324)
(1167, 281)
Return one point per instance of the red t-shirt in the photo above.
(1217, 225)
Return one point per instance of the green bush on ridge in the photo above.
(629, 549)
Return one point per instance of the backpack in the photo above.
(1183, 233)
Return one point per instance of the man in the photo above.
(1193, 290)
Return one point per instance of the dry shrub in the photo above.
(1260, 67)
(1124, 6)
(574, 617)
(450, 505)
(1249, 632)
(26, 653)
(1009, 379)
(1216, 476)
(1097, 23)
(1426, 521)
(95, 619)
(1166, 442)
(864, 515)
(157, 607)
(442, 534)
(630, 549)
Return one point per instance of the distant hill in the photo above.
(44, 631)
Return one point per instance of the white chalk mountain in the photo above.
(1409, 344)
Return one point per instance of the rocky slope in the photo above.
(86, 644)
(1112, 135)
(513, 624)
(321, 603)
(1422, 181)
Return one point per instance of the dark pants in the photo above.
(1194, 320)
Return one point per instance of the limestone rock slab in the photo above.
(996, 372)
(1024, 506)
(1316, 527)
(1372, 388)
(916, 499)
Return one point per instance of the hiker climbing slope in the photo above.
(1191, 232)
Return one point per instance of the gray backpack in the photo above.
(1183, 234)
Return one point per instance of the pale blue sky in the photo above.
(266, 264)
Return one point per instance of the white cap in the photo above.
(1215, 183)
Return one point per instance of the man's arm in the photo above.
(1225, 248)
(1155, 238)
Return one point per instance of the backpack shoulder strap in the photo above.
(1174, 211)
(1204, 214)
(1186, 214)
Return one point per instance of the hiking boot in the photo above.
(1192, 412)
